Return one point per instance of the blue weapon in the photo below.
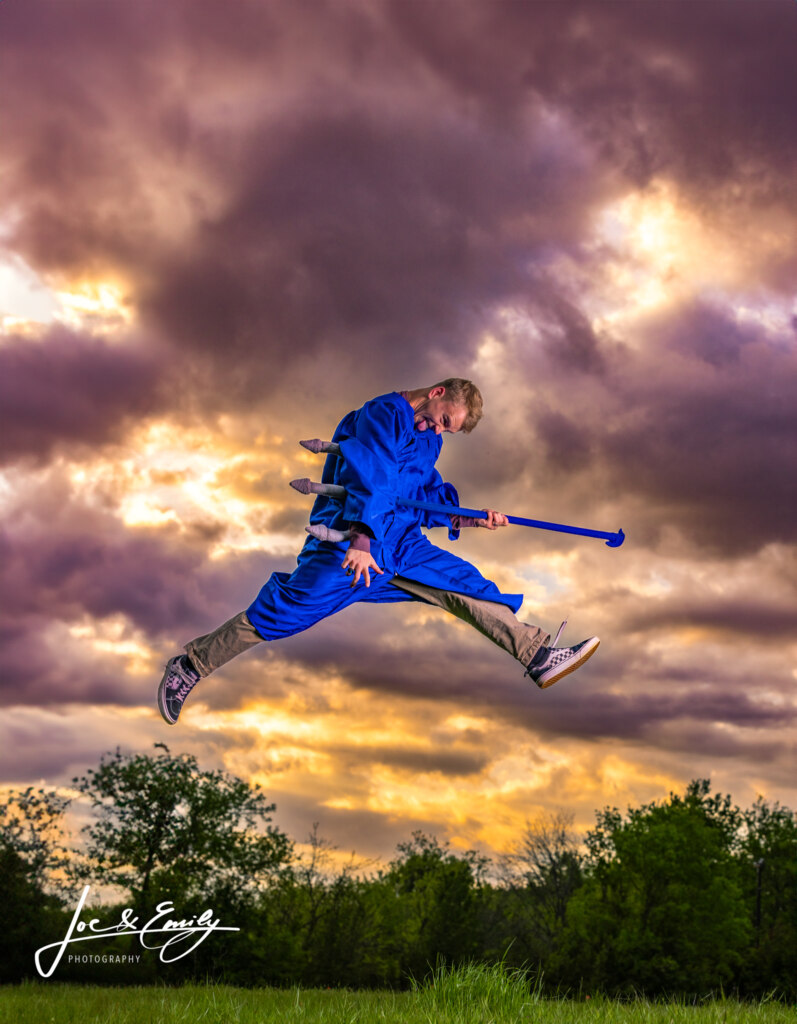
(306, 486)
(613, 540)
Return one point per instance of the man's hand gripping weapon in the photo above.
(322, 532)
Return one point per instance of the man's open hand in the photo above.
(494, 519)
(359, 563)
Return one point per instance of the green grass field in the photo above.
(472, 995)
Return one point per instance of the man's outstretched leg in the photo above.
(527, 643)
(286, 605)
(203, 656)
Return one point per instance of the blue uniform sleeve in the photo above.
(436, 489)
(369, 470)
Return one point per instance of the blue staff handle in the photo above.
(307, 486)
(613, 540)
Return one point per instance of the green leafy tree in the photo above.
(338, 928)
(32, 866)
(538, 878)
(662, 908)
(436, 892)
(323, 923)
(31, 825)
(769, 864)
(166, 829)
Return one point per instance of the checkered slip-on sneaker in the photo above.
(550, 664)
(178, 681)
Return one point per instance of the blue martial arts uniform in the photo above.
(383, 457)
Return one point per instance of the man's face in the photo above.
(437, 414)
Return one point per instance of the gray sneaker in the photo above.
(178, 681)
(551, 664)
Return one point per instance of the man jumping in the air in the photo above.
(388, 450)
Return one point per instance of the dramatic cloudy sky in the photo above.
(224, 225)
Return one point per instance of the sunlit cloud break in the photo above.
(225, 232)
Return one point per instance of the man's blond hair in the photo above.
(464, 392)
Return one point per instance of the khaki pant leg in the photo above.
(494, 620)
(215, 649)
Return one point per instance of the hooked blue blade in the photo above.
(613, 540)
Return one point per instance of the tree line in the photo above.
(688, 895)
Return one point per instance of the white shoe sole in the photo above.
(555, 674)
